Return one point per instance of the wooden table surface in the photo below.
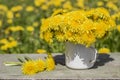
(106, 67)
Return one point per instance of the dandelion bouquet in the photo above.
(79, 27)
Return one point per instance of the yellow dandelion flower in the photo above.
(7, 44)
(58, 11)
(56, 2)
(68, 34)
(4, 47)
(48, 37)
(9, 21)
(67, 5)
(100, 3)
(16, 28)
(104, 51)
(7, 31)
(103, 11)
(41, 51)
(87, 26)
(116, 16)
(50, 64)
(44, 7)
(118, 28)
(16, 8)
(60, 36)
(80, 3)
(3, 8)
(30, 28)
(3, 41)
(17, 15)
(88, 39)
(12, 44)
(11, 38)
(111, 5)
(45, 24)
(19, 28)
(40, 65)
(0, 23)
(100, 31)
(10, 14)
(35, 24)
(29, 67)
(39, 2)
(54, 21)
(29, 8)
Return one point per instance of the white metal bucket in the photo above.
(78, 56)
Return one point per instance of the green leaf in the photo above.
(12, 63)
(27, 58)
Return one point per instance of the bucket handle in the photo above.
(95, 57)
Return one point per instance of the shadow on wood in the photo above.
(102, 59)
(60, 59)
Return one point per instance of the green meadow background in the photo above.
(20, 22)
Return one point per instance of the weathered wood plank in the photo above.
(107, 66)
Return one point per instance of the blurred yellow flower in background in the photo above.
(112, 6)
(80, 3)
(8, 44)
(10, 14)
(12, 44)
(0, 23)
(3, 8)
(30, 28)
(11, 38)
(56, 2)
(41, 51)
(39, 2)
(118, 28)
(104, 51)
(44, 7)
(16, 8)
(3, 41)
(67, 5)
(17, 15)
(29, 8)
(35, 24)
(9, 21)
(4, 47)
(100, 3)
(15, 28)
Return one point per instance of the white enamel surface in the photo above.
(77, 63)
